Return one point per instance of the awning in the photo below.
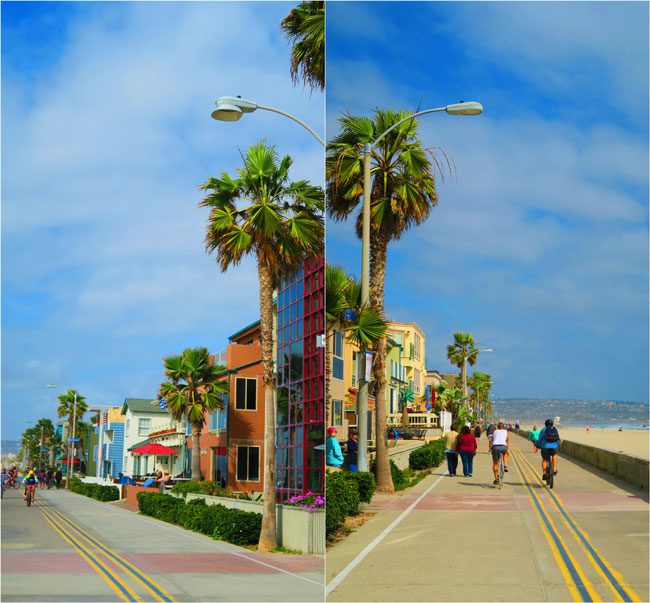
(154, 448)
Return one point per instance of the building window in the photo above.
(337, 412)
(144, 425)
(396, 337)
(417, 343)
(126, 427)
(248, 463)
(246, 394)
(217, 420)
(337, 360)
(126, 460)
(417, 381)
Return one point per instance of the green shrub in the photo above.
(429, 455)
(204, 487)
(161, 506)
(366, 484)
(237, 526)
(191, 515)
(399, 479)
(342, 495)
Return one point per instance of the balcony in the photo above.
(417, 420)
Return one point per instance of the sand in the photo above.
(631, 441)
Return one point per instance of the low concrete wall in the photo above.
(400, 454)
(298, 529)
(631, 469)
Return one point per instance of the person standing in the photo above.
(353, 449)
(333, 454)
(58, 476)
(451, 440)
(466, 447)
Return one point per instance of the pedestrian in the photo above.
(41, 479)
(49, 476)
(533, 436)
(333, 455)
(489, 433)
(587, 429)
(451, 441)
(466, 447)
(477, 432)
(353, 448)
(58, 476)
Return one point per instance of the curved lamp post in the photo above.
(469, 108)
(231, 108)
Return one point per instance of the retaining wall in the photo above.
(400, 454)
(627, 467)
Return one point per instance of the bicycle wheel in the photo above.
(29, 497)
(500, 471)
(16, 485)
(549, 474)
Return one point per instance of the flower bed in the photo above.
(308, 501)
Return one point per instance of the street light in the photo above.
(99, 409)
(470, 108)
(71, 451)
(231, 108)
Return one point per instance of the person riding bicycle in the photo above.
(30, 481)
(499, 444)
(13, 474)
(548, 443)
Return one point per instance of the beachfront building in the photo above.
(396, 382)
(144, 418)
(107, 443)
(300, 388)
(412, 342)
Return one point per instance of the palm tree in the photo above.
(362, 325)
(403, 195)
(195, 386)
(461, 353)
(73, 406)
(480, 384)
(261, 213)
(304, 26)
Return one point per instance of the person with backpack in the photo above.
(548, 443)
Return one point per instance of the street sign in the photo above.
(45, 449)
(74, 439)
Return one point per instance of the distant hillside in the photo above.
(608, 413)
(9, 446)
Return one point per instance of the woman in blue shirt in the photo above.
(333, 454)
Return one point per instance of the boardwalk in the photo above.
(461, 539)
(71, 548)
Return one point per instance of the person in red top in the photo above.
(466, 447)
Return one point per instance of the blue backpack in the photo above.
(551, 434)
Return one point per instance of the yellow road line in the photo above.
(546, 522)
(131, 569)
(579, 534)
(94, 562)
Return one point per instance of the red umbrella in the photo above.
(64, 461)
(154, 448)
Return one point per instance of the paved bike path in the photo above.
(465, 540)
(71, 548)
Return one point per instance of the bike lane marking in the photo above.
(123, 590)
(579, 586)
(343, 574)
(621, 590)
(153, 587)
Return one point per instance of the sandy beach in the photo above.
(629, 441)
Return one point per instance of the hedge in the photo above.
(365, 482)
(232, 525)
(429, 455)
(212, 488)
(96, 491)
(342, 495)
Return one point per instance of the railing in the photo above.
(421, 420)
(167, 424)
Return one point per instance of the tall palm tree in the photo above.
(480, 383)
(262, 213)
(74, 412)
(403, 195)
(461, 353)
(195, 387)
(304, 26)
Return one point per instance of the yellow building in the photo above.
(412, 342)
(343, 383)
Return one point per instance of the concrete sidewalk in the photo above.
(465, 540)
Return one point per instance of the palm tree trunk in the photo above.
(378, 250)
(268, 538)
(463, 379)
(196, 453)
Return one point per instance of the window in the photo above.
(396, 337)
(337, 360)
(337, 412)
(417, 381)
(248, 463)
(246, 394)
(417, 343)
(144, 425)
(126, 460)
(126, 426)
(217, 420)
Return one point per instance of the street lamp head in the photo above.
(231, 108)
(462, 108)
(50, 386)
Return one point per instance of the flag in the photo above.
(162, 403)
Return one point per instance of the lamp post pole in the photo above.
(471, 108)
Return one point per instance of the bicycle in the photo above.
(31, 493)
(548, 476)
(501, 469)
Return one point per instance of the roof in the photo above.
(142, 405)
(241, 331)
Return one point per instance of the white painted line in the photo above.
(205, 539)
(363, 554)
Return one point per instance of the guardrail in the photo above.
(423, 420)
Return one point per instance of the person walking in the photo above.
(466, 446)
(333, 455)
(451, 440)
(489, 432)
(58, 476)
(533, 436)
(353, 448)
(477, 432)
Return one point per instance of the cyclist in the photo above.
(499, 443)
(548, 443)
(30, 482)
(13, 475)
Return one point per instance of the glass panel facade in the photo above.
(301, 368)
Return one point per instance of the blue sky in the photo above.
(106, 134)
(539, 245)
